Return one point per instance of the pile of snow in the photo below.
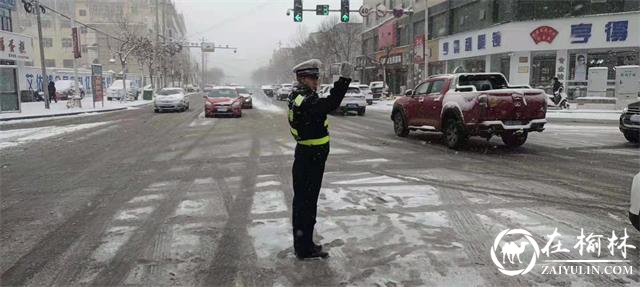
(60, 108)
(382, 105)
(265, 104)
(10, 138)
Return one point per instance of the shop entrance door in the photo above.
(543, 69)
(9, 97)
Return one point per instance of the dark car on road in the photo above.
(630, 122)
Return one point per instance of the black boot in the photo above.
(313, 254)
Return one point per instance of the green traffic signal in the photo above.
(297, 18)
(345, 18)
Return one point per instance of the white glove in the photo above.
(345, 70)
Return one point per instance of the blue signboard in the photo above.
(580, 33)
(9, 4)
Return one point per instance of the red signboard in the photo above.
(76, 43)
(387, 35)
(544, 34)
(418, 49)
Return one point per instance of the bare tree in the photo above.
(128, 43)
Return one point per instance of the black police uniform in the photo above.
(308, 121)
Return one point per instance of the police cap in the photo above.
(308, 68)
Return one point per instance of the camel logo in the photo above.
(511, 251)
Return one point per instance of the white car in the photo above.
(65, 88)
(171, 99)
(247, 101)
(116, 90)
(634, 210)
(354, 100)
(368, 95)
(379, 89)
(284, 91)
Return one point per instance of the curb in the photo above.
(69, 114)
(578, 120)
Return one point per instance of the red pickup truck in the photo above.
(471, 104)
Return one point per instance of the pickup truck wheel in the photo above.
(454, 133)
(632, 136)
(513, 139)
(400, 125)
(361, 112)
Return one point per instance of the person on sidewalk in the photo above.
(308, 120)
(557, 89)
(52, 92)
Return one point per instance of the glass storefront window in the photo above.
(501, 63)
(468, 65)
(9, 101)
(543, 69)
(608, 59)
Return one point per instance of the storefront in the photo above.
(15, 49)
(533, 52)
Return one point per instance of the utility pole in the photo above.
(45, 79)
(203, 66)
(412, 55)
(427, 51)
(76, 44)
(157, 30)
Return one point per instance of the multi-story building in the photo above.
(98, 45)
(9, 92)
(529, 41)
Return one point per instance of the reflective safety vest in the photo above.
(308, 127)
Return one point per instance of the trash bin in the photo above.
(147, 95)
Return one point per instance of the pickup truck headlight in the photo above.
(625, 110)
(208, 104)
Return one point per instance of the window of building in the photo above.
(5, 20)
(82, 12)
(84, 49)
(67, 43)
(47, 42)
(83, 30)
(67, 63)
(65, 24)
(50, 62)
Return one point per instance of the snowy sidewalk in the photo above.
(34, 110)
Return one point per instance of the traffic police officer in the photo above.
(308, 121)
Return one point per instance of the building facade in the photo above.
(96, 47)
(529, 41)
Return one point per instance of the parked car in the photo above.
(368, 94)
(222, 101)
(65, 89)
(354, 100)
(630, 122)
(171, 99)
(284, 91)
(471, 104)
(634, 209)
(116, 90)
(378, 89)
(247, 100)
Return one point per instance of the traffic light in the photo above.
(297, 10)
(322, 10)
(344, 11)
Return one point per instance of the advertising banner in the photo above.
(15, 47)
(96, 83)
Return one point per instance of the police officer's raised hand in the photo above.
(345, 70)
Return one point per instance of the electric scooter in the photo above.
(558, 100)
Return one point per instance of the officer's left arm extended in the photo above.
(326, 105)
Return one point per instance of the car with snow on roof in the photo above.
(471, 104)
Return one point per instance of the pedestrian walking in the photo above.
(52, 92)
(308, 120)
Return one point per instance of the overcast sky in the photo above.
(253, 26)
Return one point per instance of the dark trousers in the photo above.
(308, 169)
